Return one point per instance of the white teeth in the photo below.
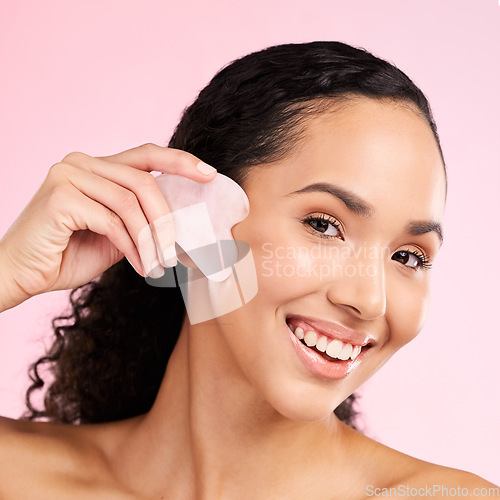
(355, 352)
(321, 344)
(346, 352)
(310, 338)
(299, 333)
(334, 348)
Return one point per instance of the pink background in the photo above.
(102, 76)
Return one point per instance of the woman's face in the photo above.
(346, 259)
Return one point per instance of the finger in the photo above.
(84, 213)
(151, 200)
(150, 157)
(125, 204)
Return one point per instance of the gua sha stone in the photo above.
(203, 214)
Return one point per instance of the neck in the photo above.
(209, 429)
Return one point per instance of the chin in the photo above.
(305, 402)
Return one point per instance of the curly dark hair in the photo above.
(110, 350)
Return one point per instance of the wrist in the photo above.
(11, 293)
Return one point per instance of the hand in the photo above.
(88, 214)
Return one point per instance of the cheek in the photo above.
(407, 309)
(284, 270)
(283, 258)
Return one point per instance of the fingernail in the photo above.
(170, 256)
(164, 230)
(172, 262)
(156, 270)
(141, 272)
(205, 169)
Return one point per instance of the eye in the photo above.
(413, 260)
(325, 225)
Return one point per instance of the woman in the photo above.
(337, 151)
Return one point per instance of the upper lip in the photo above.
(333, 330)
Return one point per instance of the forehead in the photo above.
(382, 150)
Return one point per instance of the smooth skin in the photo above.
(237, 415)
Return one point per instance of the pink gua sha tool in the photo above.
(217, 274)
(203, 214)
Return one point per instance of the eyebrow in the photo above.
(352, 201)
(417, 227)
(360, 207)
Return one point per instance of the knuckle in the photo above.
(181, 161)
(74, 157)
(59, 173)
(149, 148)
(114, 219)
(114, 222)
(56, 169)
(59, 196)
(178, 157)
(176, 154)
(148, 182)
(128, 200)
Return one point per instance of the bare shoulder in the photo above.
(56, 458)
(445, 482)
(392, 474)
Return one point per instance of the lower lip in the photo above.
(318, 365)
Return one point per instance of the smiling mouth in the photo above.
(333, 350)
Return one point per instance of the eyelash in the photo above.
(323, 218)
(424, 263)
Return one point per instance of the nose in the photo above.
(360, 287)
